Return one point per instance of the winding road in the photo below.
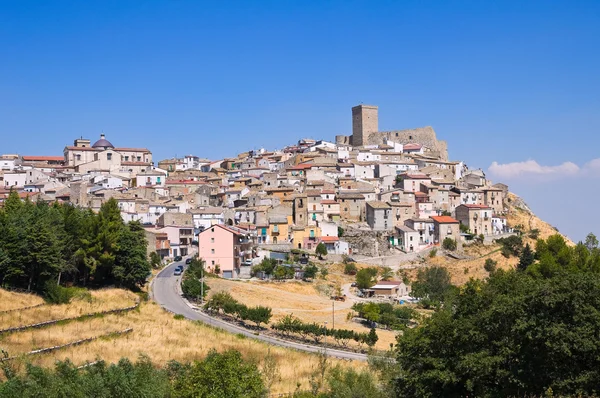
(166, 291)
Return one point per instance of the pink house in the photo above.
(225, 247)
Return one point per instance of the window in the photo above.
(78, 157)
(212, 240)
(109, 156)
(139, 158)
(212, 262)
(212, 230)
(127, 158)
(212, 251)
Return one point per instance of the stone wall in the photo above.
(368, 243)
(423, 135)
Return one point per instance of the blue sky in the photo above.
(504, 82)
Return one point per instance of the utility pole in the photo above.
(333, 316)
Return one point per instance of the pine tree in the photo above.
(526, 259)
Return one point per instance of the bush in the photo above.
(56, 294)
(340, 232)
(511, 246)
(490, 265)
(449, 244)
(350, 269)
(433, 253)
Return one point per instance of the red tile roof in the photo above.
(328, 239)
(43, 158)
(329, 202)
(444, 220)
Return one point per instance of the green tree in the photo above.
(310, 271)
(365, 278)
(131, 263)
(219, 376)
(433, 283)
(526, 259)
(258, 315)
(591, 242)
(321, 250)
(372, 338)
(340, 231)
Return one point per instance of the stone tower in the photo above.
(364, 122)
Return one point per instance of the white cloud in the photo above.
(531, 169)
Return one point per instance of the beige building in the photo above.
(478, 218)
(445, 227)
(104, 156)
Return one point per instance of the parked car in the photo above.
(188, 260)
(178, 258)
(178, 270)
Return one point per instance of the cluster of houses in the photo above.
(235, 209)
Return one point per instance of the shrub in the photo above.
(433, 253)
(449, 244)
(490, 265)
(56, 294)
(350, 269)
(340, 232)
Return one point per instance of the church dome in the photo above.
(103, 143)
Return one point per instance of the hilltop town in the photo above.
(369, 194)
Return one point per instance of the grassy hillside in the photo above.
(156, 333)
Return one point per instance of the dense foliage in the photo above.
(63, 243)
(432, 286)
(524, 332)
(366, 277)
(218, 375)
(395, 317)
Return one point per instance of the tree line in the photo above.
(289, 325)
(41, 242)
(225, 303)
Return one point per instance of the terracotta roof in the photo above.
(328, 239)
(418, 193)
(329, 202)
(412, 147)
(444, 220)
(43, 158)
(328, 191)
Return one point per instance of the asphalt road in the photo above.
(166, 291)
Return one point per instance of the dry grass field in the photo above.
(13, 301)
(101, 300)
(159, 335)
(302, 299)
